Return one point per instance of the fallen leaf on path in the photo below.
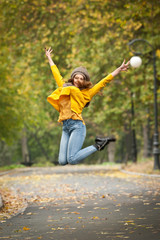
(26, 228)
(118, 205)
(30, 213)
(136, 197)
(96, 207)
(104, 233)
(60, 228)
(95, 218)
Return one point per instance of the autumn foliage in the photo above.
(90, 33)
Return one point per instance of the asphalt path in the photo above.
(82, 203)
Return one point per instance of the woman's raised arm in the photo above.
(101, 84)
(55, 71)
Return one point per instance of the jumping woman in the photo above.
(69, 99)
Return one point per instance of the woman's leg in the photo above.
(75, 154)
(63, 147)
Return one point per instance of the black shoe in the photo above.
(102, 142)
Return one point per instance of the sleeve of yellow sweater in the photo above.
(101, 84)
(57, 76)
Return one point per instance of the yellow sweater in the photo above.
(79, 98)
(65, 110)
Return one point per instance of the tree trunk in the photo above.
(127, 144)
(111, 151)
(41, 147)
(134, 144)
(25, 152)
(147, 148)
(5, 156)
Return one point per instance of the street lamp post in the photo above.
(134, 145)
(156, 151)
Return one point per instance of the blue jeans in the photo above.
(73, 136)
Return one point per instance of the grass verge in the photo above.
(142, 166)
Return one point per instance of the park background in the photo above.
(94, 34)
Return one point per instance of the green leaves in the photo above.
(94, 35)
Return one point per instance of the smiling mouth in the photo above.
(76, 84)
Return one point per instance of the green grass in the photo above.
(46, 164)
(14, 166)
(108, 163)
(111, 165)
(10, 167)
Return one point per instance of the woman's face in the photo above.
(78, 80)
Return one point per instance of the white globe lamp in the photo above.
(135, 61)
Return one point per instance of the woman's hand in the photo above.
(123, 67)
(48, 54)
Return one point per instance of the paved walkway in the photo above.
(83, 202)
